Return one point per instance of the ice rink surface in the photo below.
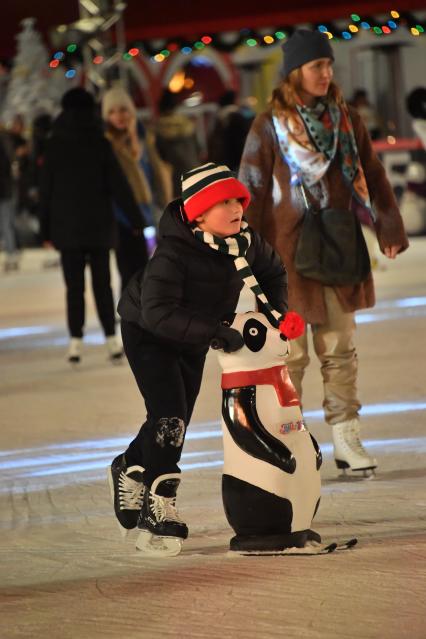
(67, 574)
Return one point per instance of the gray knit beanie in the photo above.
(304, 46)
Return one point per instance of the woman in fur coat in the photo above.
(310, 138)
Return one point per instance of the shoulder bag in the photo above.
(331, 247)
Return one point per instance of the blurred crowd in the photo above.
(151, 155)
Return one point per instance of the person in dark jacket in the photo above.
(176, 138)
(7, 207)
(169, 318)
(80, 180)
(230, 130)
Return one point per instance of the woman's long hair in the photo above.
(284, 98)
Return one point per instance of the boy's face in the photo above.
(222, 219)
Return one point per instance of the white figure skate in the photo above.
(115, 349)
(74, 350)
(349, 451)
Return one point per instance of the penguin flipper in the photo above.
(243, 423)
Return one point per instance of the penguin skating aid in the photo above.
(271, 482)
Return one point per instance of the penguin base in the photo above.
(273, 543)
(312, 547)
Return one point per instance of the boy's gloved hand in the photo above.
(227, 339)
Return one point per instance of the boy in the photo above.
(169, 317)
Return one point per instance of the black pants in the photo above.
(169, 380)
(131, 254)
(73, 266)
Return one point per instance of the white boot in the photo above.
(115, 349)
(11, 263)
(74, 350)
(348, 449)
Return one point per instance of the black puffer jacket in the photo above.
(187, 287)
(80, 180)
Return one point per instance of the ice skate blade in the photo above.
(311, 548)
(367, 474)
(156, 546)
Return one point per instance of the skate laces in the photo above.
(355, 442)
(131, 493)
(164, 508)
(349, 438)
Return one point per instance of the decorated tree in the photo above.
(32, 88)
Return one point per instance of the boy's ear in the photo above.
(199, 219)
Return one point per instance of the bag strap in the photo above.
(305, 199)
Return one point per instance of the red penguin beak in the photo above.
(292, 326)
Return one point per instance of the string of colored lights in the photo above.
(247, 37)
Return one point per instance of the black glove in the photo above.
(227, 339)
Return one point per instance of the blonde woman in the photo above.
(310, 138)
(134, 155)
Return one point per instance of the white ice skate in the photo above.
(114, 348)
(161, 530)
(74, 350)
(349, 451)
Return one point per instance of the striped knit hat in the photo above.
(207, 185)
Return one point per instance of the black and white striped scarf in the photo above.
(237, 245)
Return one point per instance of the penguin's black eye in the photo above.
(254, 334)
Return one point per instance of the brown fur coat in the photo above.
(271, 212)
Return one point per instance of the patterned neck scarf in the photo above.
(237, 245)
(311, 145)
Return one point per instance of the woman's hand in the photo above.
(135, 145)
(132, 126)
(392, 251)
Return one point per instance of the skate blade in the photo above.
(367, 474)
(311, 548)
(155, 546)
(344, 545)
